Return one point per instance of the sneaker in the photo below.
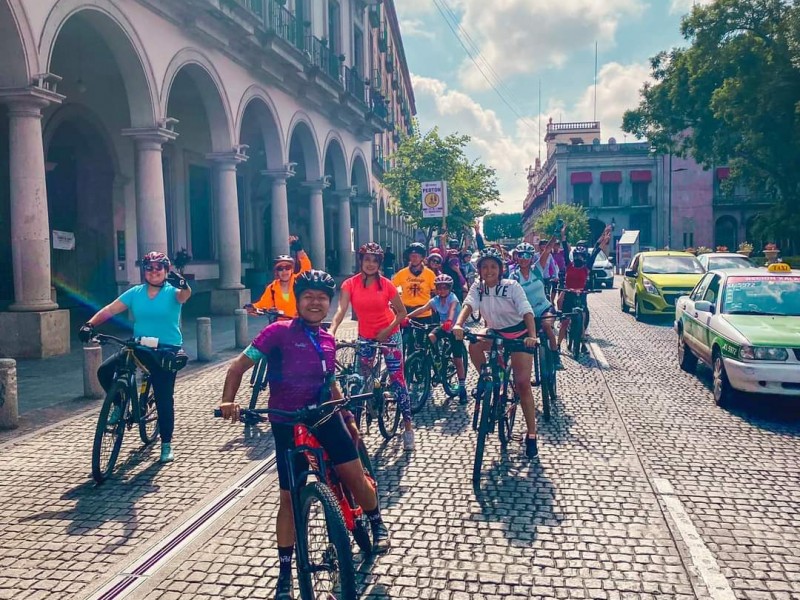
(531, 448)
(462, 396)
(166, 453)
(116, 415)
(408, 439)
(584, 348)
(380, 538)
(284, 589)
(557, 362)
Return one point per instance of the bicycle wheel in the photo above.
(507, 412)
(575, 334)
(448, 373)
(388, 414)
(148, 415)
(323, 544)
(108, 436)
(258, 380)
(548, 378)
(486, 422)
(418, 380)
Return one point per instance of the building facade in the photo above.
(218, 127)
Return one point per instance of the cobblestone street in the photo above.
(644, 489)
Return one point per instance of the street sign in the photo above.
(63, 240)
(434, 199)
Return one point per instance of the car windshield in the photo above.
(764, 295)
(730, 262)
(671, 265)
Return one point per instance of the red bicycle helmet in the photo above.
(373, 249)
(156, 257)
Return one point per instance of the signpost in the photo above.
(434, 201)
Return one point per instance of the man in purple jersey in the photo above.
(300, 359)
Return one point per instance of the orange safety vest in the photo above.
(273, 295)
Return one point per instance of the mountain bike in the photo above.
(258, 377)
(324, 510)
(578, 321)
(497, 401)
(431, 365)
(126, 405)
(544, 368)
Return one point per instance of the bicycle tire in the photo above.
(483, 430)
(362, 534)
(548, 376)
(334, 557)
(148, 415)
(103, 463)
(506, 413)
(388, 415)
(418, 380)
(448, 374)
(575, 332)
(257, 380)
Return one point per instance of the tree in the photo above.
(500, 226)
(574, 217)
(733, 97)
(471, 186)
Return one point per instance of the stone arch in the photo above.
(126, 47)
(359, 174)
(78, 112)
(212, 94)
(726, 232)
(256, 97)
(20, 59)
(302, 130)
(334, 161)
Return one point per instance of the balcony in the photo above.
(379, 161)
(323, 58)
(572, 126)
(390, 60)
(354, 85)
(742, 201)
(383, 38)
(374, 15)
(377, 80)
(641, 202)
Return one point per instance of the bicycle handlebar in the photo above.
(257, 415)
(578, 291)
(370, 343)
(509, 344)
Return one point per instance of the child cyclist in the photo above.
(446, 304)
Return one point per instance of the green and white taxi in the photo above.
(744, 324)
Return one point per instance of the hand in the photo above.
(294, 243)
(448, 325)
(563, 230)
(458, 332)
(530, 342)
(86, 332)
(293, 238)
(405, 323)
(177, 280)
(383, 335)
(230, 411)
(251, 310)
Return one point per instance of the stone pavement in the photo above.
(644, 490)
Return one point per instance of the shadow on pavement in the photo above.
(390, 462)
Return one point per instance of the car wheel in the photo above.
(637, 310)
(686, 357)
(723, 392)
(623, 307)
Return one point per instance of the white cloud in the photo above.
(679, 7)
(415, 28)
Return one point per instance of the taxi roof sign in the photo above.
(779, 268)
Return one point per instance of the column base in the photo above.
(224, 302)
(34, 334)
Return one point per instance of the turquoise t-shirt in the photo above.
(534, 288)
(159, 317)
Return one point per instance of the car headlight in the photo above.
(649, 287)
(758, 353)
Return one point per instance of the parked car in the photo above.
(744, 324)
(603, 271)
(725, 260)
(655, 280)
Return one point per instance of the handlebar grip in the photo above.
(217, 412)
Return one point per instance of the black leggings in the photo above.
(163, 383)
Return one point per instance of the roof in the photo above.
(629, 237)
(667, 253)
(759, 272)
(724, 254)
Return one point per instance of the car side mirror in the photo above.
(612, 260)
(630, 273)
(704, 306)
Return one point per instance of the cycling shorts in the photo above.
(572, 301)
(459, 350)
(332, 434)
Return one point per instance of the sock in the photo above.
(374, 516)
(462, 384)
(285, 558)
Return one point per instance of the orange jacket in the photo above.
(273, 296)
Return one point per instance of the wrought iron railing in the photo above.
(354, 84)
(322, 57)
(378, 105)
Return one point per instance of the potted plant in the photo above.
(180, 260)
(255, 276)
(745, 248)
(722, 248)
(703, 250)
(771, 252)
(691, 250)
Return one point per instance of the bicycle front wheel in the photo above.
(575, 334)
(388, 414)
(110, 431)
(324, 546)
(148, 415)
(507, 413)
(485, 426)
(418, 380)
(448, 373)
(548, 382)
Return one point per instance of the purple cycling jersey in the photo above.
(294, 366)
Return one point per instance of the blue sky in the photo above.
(520, 43)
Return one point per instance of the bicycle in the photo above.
(430, 365)
(579, 320)
(498, 399)
(125, 406)
(544, 368)
(325, 566)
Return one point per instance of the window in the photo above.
(580, 192)
(641, 222)
(334, 27)
(611, 194)
(640, 195)
(200, 210)
(713, 290)
(358, 50)
(688, 239)
(700, 288)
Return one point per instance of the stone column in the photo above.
(317, 225)
(230, 293)
(345, 249)
(151, 209)
(365, 231)
(279, 212)
(33, 328)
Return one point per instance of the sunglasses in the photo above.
(150, 268)
(434, 261)
(283, 268)
(526, 255)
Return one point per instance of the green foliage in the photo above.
(501, 226)
(471, 186)
(733, 97)
(575, 218)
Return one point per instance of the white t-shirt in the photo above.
(501, 306)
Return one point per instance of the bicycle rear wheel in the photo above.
(418, 380)
(323, 544)
(485, 426)
(548, 377)
(507, 413)
(109, 433)
(388, 415)
(148, 415)
(448, 373)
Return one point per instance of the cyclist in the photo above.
(434, 261)
(280, 293)
(301, 357)
(551, 271)
(561, 265)
(416, 283)
(452, 267)
(533, 280)
(576, 276)
(506, 310)
(447, 306)
(156, 310)
(380, 312)
(389, 263)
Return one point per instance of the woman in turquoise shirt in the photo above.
(156, 309)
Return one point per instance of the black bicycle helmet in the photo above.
(491, 253)
(417, 248)
(314, 280)
(581, 247)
